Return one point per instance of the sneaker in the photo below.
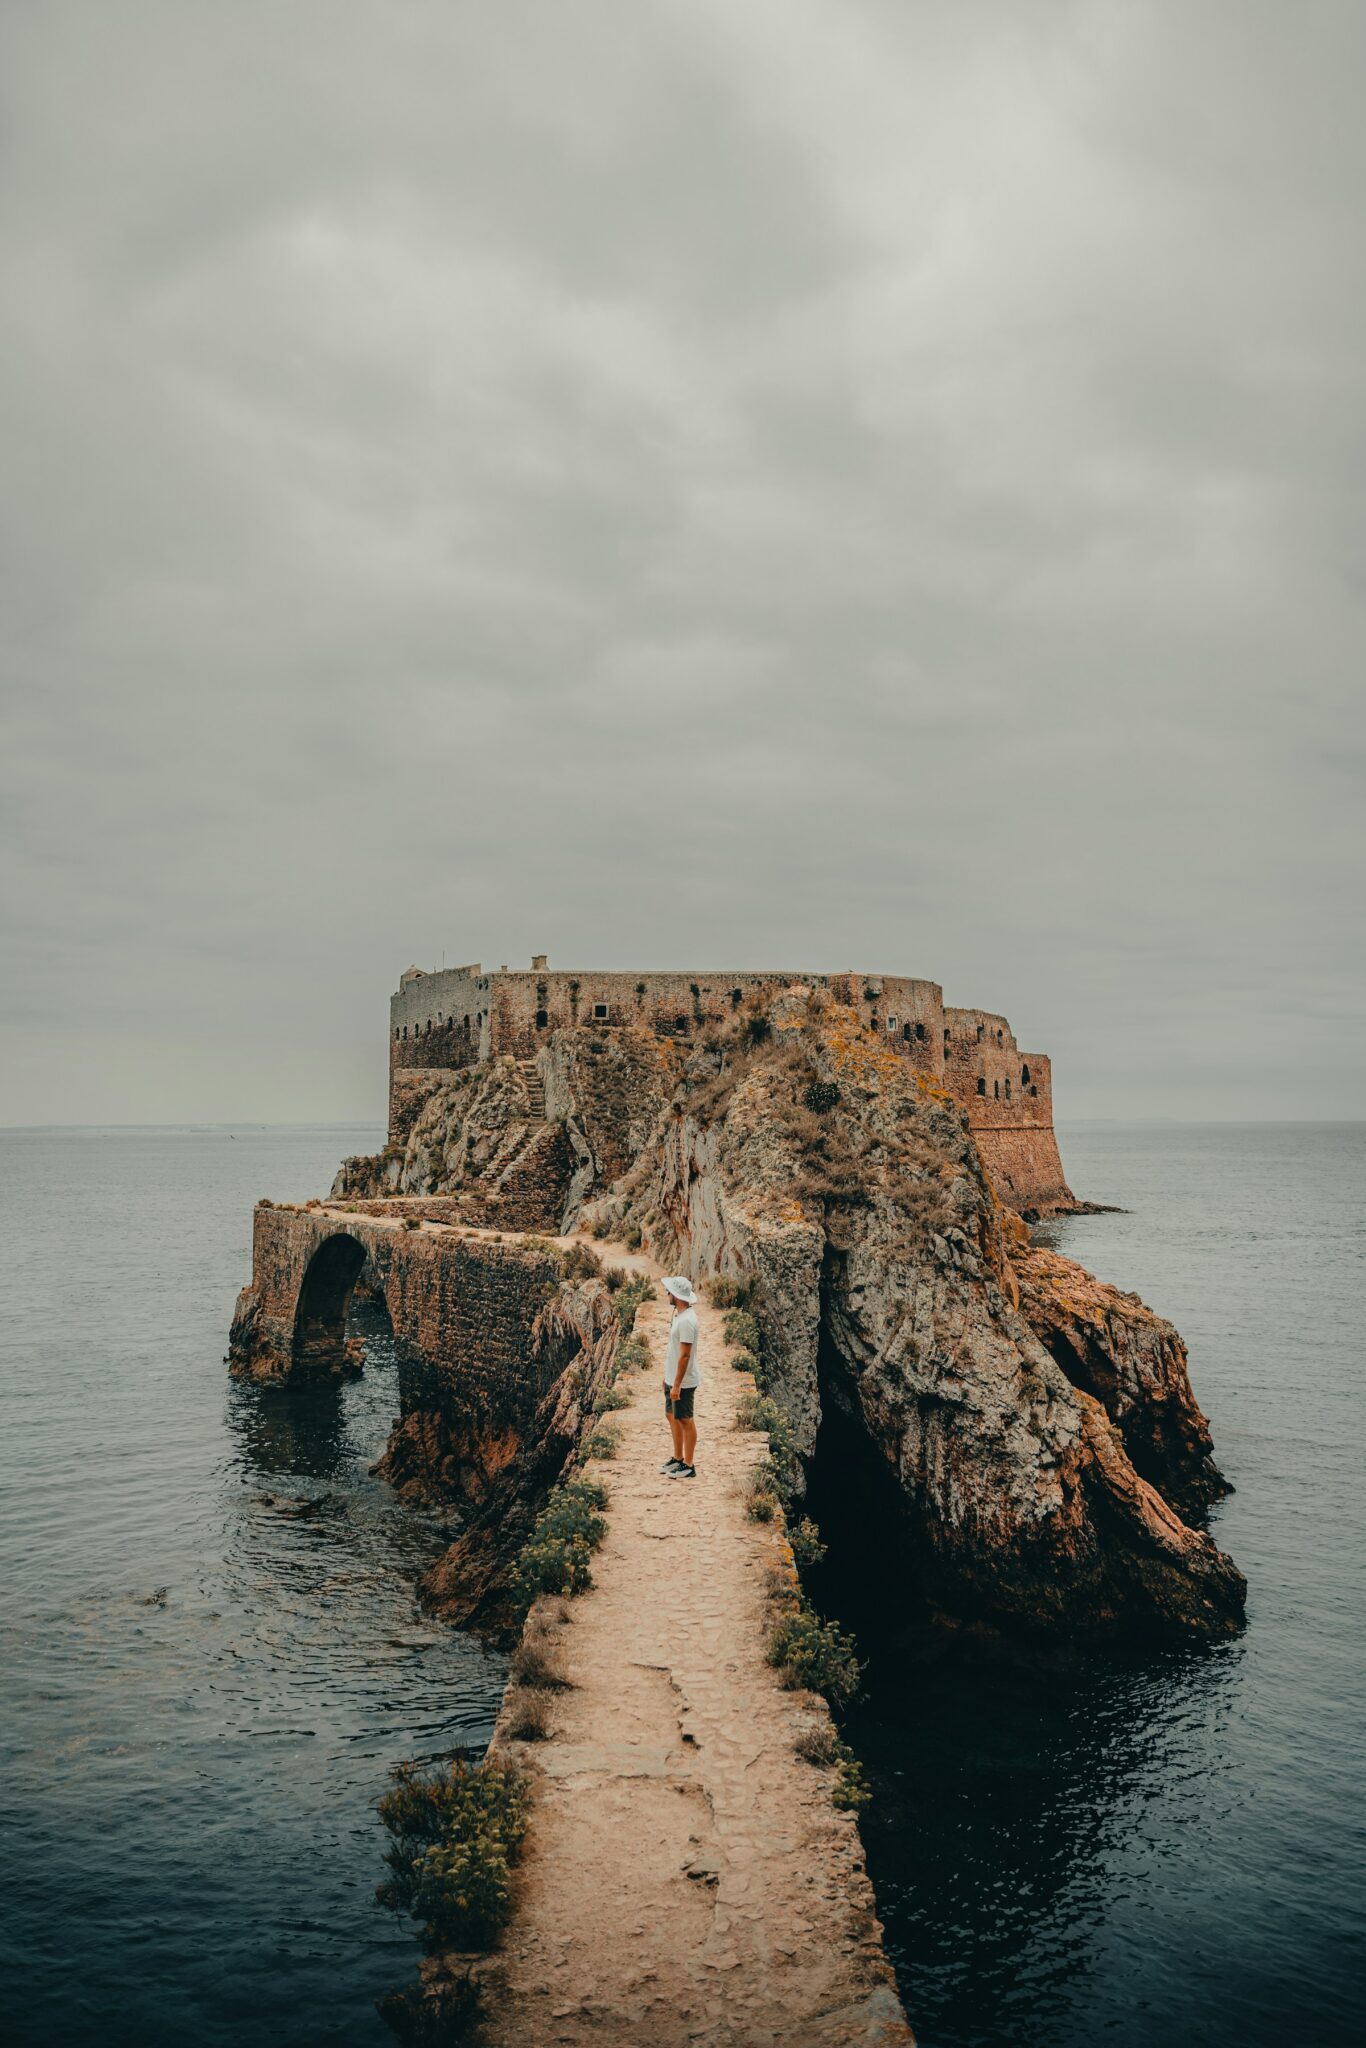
(673, 1465)
(684, 1472)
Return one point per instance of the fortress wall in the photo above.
(1026, 1168)
(515, 1011)
(974, 1052)
(527, 1007)
(1007, 1095)
(907, 1012)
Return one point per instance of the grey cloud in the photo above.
(680, 483)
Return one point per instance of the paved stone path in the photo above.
(686, 1879)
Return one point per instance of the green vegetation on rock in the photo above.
(456, 1832)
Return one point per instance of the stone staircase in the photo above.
(535, 1088)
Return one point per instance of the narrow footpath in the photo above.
(686, 1879)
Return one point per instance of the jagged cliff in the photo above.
(1018, 1416)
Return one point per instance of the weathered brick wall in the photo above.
(1026, 1167)
(1008, 1097)
(515, 1011)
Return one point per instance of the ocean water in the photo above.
(212, 1650)
(213, 1654)
(1173, 1848)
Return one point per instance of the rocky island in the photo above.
(849, 1169)
(863, 1161)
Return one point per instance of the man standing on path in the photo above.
(681, 1378)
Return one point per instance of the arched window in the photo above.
(405, 1031)
(907, 1031)
(998, 1090)
(981, 1086)
(1007, 1091)
(1024, 1077)
(981, 1033)
(1000, 1038)
(920, 1031)
(467, 1023)
(541, 1020)
(397, 1032)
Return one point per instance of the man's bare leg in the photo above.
(688, 1432)
(677, 1429)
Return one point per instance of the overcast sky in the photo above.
(726, 483)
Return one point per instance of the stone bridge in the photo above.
(464, 1307)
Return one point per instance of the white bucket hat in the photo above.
(680, 1287)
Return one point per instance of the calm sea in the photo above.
(213, 1655)
(1172, 1850)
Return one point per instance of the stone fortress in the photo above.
(442, 1022)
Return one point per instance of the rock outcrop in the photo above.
(574, 1343)
(524, 1142)
(1015, 1419)
(1111, 1344)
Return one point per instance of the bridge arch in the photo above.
(319, 1345)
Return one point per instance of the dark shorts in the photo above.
(681, 1409)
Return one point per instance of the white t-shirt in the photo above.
(683, 1330)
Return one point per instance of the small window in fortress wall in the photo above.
(599, 1009)
(981, 1033)
(920, 1031)
(981, 1086)
(1000, 1038)
(907, 1031)
(405, 1031)
(1024, 1077)
(891, 1023)
(541, 1020)
(998, 1091)
(1007, 1091)
(1032, 1089)
(467, 1023)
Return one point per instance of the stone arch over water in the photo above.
(319, 1345)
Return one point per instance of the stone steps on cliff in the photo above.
(535, 1088)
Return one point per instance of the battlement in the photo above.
(444, 1021)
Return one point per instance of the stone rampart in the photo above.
(441, 1022)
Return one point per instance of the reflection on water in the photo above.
(1168, 1848)
(215, 1649)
